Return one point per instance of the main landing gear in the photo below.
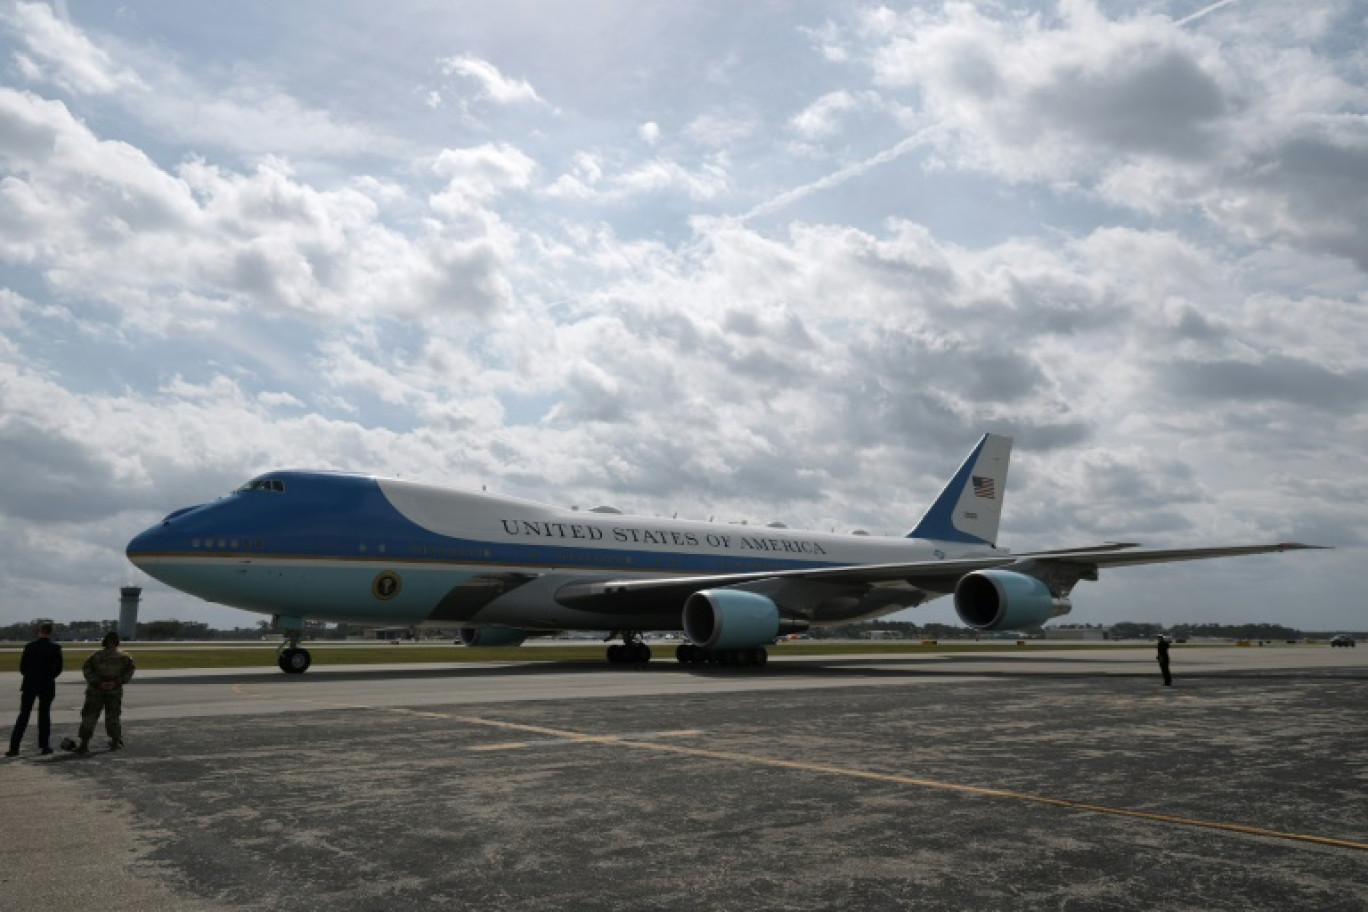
(632, 650)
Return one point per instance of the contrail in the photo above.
(839, 177)
(1202, 12)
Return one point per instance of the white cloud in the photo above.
(707, 182)
(106, 218)
(1266, 138)
(823, 116)
(260, 120)
(722, 129)
(244, 113)
(1036, 100)
(279, 400)
(492, 84)
(478, 174)
(829, 42)
(63, 55)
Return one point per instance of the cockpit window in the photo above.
(263, 484)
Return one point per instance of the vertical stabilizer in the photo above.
(970, 506)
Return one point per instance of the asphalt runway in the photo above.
(1023, 779)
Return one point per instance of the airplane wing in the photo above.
(603, 594)
(1120, 558)
(1063, 568)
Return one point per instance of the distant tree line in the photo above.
(1129, 630)
(147, 630)
(153, 631)
(1122, 630)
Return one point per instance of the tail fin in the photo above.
(969, 507)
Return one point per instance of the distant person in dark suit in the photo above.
(40, 665)
(1164, 660)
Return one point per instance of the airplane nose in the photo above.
(155, 540)
(144, 543)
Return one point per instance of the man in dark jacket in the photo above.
(1163, 657)
(40, 666)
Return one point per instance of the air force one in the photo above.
(333, 546)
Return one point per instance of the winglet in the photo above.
(970, 506)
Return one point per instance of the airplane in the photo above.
(362, 549)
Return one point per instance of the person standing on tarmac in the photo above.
(40, 665)
(1163, 658)
(106, 672)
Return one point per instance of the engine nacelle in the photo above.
(492, 636)
(732, 619)
(1002, 599)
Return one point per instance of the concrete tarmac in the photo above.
(1020, 779)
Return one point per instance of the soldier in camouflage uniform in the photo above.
(106, 672)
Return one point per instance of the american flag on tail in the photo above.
(984, 487)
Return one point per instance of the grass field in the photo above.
(210, 655)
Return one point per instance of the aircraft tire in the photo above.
(293, 660)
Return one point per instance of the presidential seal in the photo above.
(386, 585)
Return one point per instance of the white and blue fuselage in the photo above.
(369, 550)
(301, 545)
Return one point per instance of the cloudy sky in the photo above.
(764, 261)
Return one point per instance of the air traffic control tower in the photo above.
(129, 596)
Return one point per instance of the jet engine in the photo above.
(734, 619)
(492, 636)
(1001, 599)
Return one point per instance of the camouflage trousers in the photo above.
(110, 702)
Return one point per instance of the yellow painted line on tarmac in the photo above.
(638, 743)
(804, 766)
(512, 745)
(1003, 793)
(633, 738)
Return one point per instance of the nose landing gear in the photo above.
(291, 657)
